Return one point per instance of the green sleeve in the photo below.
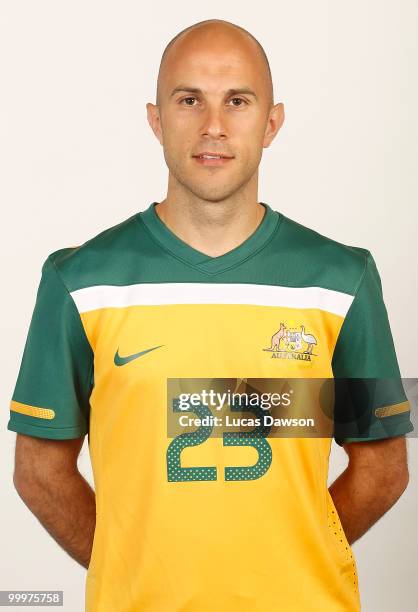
(51, 395)
(370, 401)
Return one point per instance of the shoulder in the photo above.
(339, 265)
(101, 256)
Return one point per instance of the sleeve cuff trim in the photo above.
(33, 411)
(386, 411)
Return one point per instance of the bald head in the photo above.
(204, 31)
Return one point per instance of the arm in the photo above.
(48, 481)
(376, 476)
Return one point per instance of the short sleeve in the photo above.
(54, 383)
(370, 401)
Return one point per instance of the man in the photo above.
(207, 283)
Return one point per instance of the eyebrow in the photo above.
(229, 92)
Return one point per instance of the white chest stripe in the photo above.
(158, 294)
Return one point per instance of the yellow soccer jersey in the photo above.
(206, 525)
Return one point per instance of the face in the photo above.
(214, 99)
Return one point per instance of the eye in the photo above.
(240, 100)
(188, 98)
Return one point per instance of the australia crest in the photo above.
(292, 343)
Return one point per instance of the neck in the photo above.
(212, 227)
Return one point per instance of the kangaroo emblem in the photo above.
(275, 339)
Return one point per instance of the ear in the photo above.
(153, 115)
(274, 123)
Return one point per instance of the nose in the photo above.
(214, 123)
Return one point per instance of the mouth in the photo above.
(208, 158)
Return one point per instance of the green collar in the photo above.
(169, 241)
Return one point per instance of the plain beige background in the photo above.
(77, 156)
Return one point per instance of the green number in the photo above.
(255, 438)
(175, 472)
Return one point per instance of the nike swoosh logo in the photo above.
(120, 361)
